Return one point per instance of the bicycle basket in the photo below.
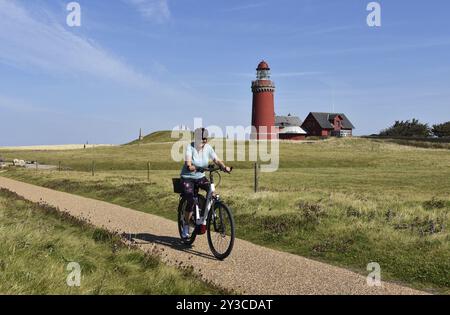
(177, 185)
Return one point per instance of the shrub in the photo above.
(353, 212)
(442, 130)
(407, 128)
(389, 215)
(312, 212)
(434, 204)
(423, 226)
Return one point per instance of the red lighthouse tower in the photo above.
(263, 112)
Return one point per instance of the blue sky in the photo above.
(155, 64)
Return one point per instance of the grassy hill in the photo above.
(157, 137)
(345, 201)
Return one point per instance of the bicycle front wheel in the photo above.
(220, 231)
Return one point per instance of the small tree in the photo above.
(442, 130)
(407, 128)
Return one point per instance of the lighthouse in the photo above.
(263, 113)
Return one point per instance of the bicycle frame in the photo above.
(211, 197)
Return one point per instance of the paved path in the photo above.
(250, 269)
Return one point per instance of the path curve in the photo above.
(251, 269)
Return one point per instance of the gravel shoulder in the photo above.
(251, 269)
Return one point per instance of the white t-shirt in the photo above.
(199, 159)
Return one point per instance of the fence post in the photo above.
(93, 168)
(59, 166)
(37, 166)
(148, 171)
(256, 177)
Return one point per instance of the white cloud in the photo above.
(246, 7)
(154, 10)
(29, 42)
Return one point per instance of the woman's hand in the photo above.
(192, 168)
(223, 167)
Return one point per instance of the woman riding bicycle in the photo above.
(198, 154)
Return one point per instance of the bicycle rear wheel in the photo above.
(181, 220)
(220, 231)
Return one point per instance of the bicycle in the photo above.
(211, 211)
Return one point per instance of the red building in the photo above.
(290, 128)
(327, 125)
(263, 112)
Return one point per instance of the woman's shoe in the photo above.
(185, 232)
(201, 229)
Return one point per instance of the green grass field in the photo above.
(345, 201)
(38, 244)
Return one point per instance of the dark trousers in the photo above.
(190, 190)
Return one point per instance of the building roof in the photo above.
(324, 120)
(286, 121)
(263, 66)
(292, 130)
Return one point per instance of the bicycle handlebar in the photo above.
(212, 168)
